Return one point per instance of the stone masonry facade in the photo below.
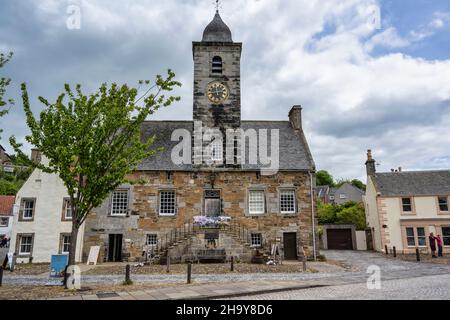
(190, 187)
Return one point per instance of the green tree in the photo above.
(324, 178)
(93, 142)
(4, 83)
(355, 182)
(326, 213)
(352, 214)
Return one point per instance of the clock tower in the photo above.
(217, 77)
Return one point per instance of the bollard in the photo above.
(232, 264)
(168, 264)
(394, 251)
(386, 250)
(417, 254)
(304, 263)
(1, 276)
(189, 271)
(127, 274)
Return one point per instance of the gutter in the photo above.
(313, 216)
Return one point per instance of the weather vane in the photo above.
(217, 5)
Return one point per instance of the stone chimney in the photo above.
(36, 155)
(370, 164)
(295, 117)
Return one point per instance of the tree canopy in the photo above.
(324, 178)
(93, 142)
(4, 83)
(347, 213)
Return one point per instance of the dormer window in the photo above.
(217, 65)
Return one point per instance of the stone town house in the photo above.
(268, 208)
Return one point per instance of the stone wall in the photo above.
(190, 186)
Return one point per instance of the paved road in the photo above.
(421, 288)
(399, 280)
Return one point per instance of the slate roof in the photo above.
(6, 205)
(321, 191)
(413, 183)
(217, 31)
(294, 150)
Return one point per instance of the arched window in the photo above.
(217, 65)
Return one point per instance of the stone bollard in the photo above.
(417, 254)
(304, 263)
(189, 272)
(394, 251)
(386, 250)
(168, 264)
(232, 264)
(127, 274)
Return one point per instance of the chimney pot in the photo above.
(295, 117)
(36, 155)
(370, 164)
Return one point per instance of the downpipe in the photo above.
(313, 216)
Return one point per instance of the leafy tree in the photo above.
(326, 213)
(4, 83)
(347, 213)
(324, 178)
(352, 214)
(93, 142)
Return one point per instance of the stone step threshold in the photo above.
(193, 293)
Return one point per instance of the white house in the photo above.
(42, 219)
(403, 208)
(6, 215)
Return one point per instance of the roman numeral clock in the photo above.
(217, 92)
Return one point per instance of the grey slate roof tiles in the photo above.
(413, 183)
(294, 151)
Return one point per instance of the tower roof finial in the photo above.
(217, 6)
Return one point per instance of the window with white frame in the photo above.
(421, 237)
(256, 240)
(446, 236)
(65, 243)
(4, 221)
(119, 203)
(216, 150)
(27, 209)
(410, 238)
(443, 204)
(25, 245)
(67, 209)
(416, 237)
(152, 239)
(256, 203)
(287, 201)
(167, 203)
(406, 205)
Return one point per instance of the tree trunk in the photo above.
(73, 243)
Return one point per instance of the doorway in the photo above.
(290, 245)
(115, 248)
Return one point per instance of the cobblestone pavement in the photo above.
(421, 288)
(357, 263)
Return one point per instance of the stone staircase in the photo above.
(182, 244)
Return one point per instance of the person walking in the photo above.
(439, 244)
(432, 240)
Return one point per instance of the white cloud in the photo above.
(313, 52)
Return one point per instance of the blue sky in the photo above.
(387, 89)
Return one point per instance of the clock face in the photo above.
(217, 92)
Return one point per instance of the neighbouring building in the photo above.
(42, 219)
(346, 193)
(340, 195)
(262, 208)
(6, 215)
(404, 207)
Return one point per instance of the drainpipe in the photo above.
(313, 216)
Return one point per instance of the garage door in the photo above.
(339, 239)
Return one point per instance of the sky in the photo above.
(369, 74)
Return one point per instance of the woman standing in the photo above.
(432, 245)
(439, 244)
